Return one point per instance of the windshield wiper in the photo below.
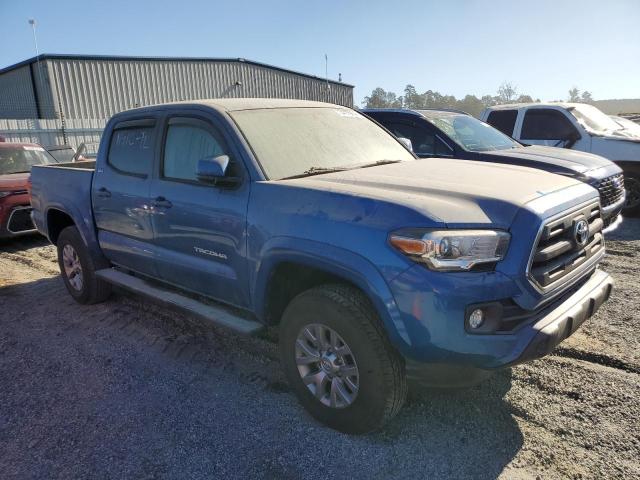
(316, 171)
(377, 162)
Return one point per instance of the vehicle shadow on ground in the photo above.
(462, 432)
(27, 242)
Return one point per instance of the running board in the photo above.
(218, 315)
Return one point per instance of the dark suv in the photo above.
(456, 134)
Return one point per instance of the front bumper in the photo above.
(563, 320)
(16, 221)
(611, 213)
(434, 316)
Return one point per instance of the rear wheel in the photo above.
(78, 269)
(338, 360)
(632, 188)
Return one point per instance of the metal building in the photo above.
(96, 87)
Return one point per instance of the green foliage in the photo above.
(576, 97)
(381, 99)
(506, 93)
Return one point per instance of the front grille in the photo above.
(20, 220)
(611, 189)
(558, 254)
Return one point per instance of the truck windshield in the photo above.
(290, 142)
(593, 119)
(20, 158)
(471, 134)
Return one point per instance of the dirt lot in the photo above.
(127, 390)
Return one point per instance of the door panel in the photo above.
(199, 228)
(120, 196)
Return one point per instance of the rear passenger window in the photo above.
(503, 120)
(546, 124)
(188, 143)
(131, 150)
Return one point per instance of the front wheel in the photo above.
(632, 188)
(78, 269)
(338, 360)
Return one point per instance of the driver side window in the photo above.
(546, 124)
(186, 144)
(423, 141)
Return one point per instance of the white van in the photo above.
(577, 126)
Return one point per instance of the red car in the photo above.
(16, 160)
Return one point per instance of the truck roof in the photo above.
(235, 104)
(414, 111)
(507, 106)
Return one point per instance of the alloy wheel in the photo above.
(72, 267)
(327, 366)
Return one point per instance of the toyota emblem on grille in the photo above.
(581, 232)
(617, 183)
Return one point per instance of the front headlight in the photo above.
(5, 193)
(451, 250)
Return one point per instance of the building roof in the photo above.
(56, 56)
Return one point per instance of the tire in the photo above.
(632, 187)
(381, 381)
(82, 284)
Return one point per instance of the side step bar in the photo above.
(218, 315)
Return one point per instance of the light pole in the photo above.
(32, 22)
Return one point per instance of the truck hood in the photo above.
(450, 192)
(549, 157)
(14, 181)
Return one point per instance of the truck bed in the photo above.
(70, 196)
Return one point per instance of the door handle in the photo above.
(103, 193)
(161, 202)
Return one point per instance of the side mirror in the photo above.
(406, 142)
(571, 138)
(212, 169)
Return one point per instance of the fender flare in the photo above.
(85, 228)
(346, 264)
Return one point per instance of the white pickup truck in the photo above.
(577, 126)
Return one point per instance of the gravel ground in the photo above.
(126, 389)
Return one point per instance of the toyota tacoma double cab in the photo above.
(377, 267)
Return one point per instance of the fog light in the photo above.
(476, 318)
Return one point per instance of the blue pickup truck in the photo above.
(378, 267)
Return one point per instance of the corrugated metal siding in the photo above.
(16, 94)
(50, 132)
(100, 88)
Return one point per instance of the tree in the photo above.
(382, 99)
(574, 95)
(471, 104)
(586, 97)
(507, 93)
(525, 99)
(488, 101)
(412, 99)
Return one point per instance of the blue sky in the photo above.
(456, 47)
